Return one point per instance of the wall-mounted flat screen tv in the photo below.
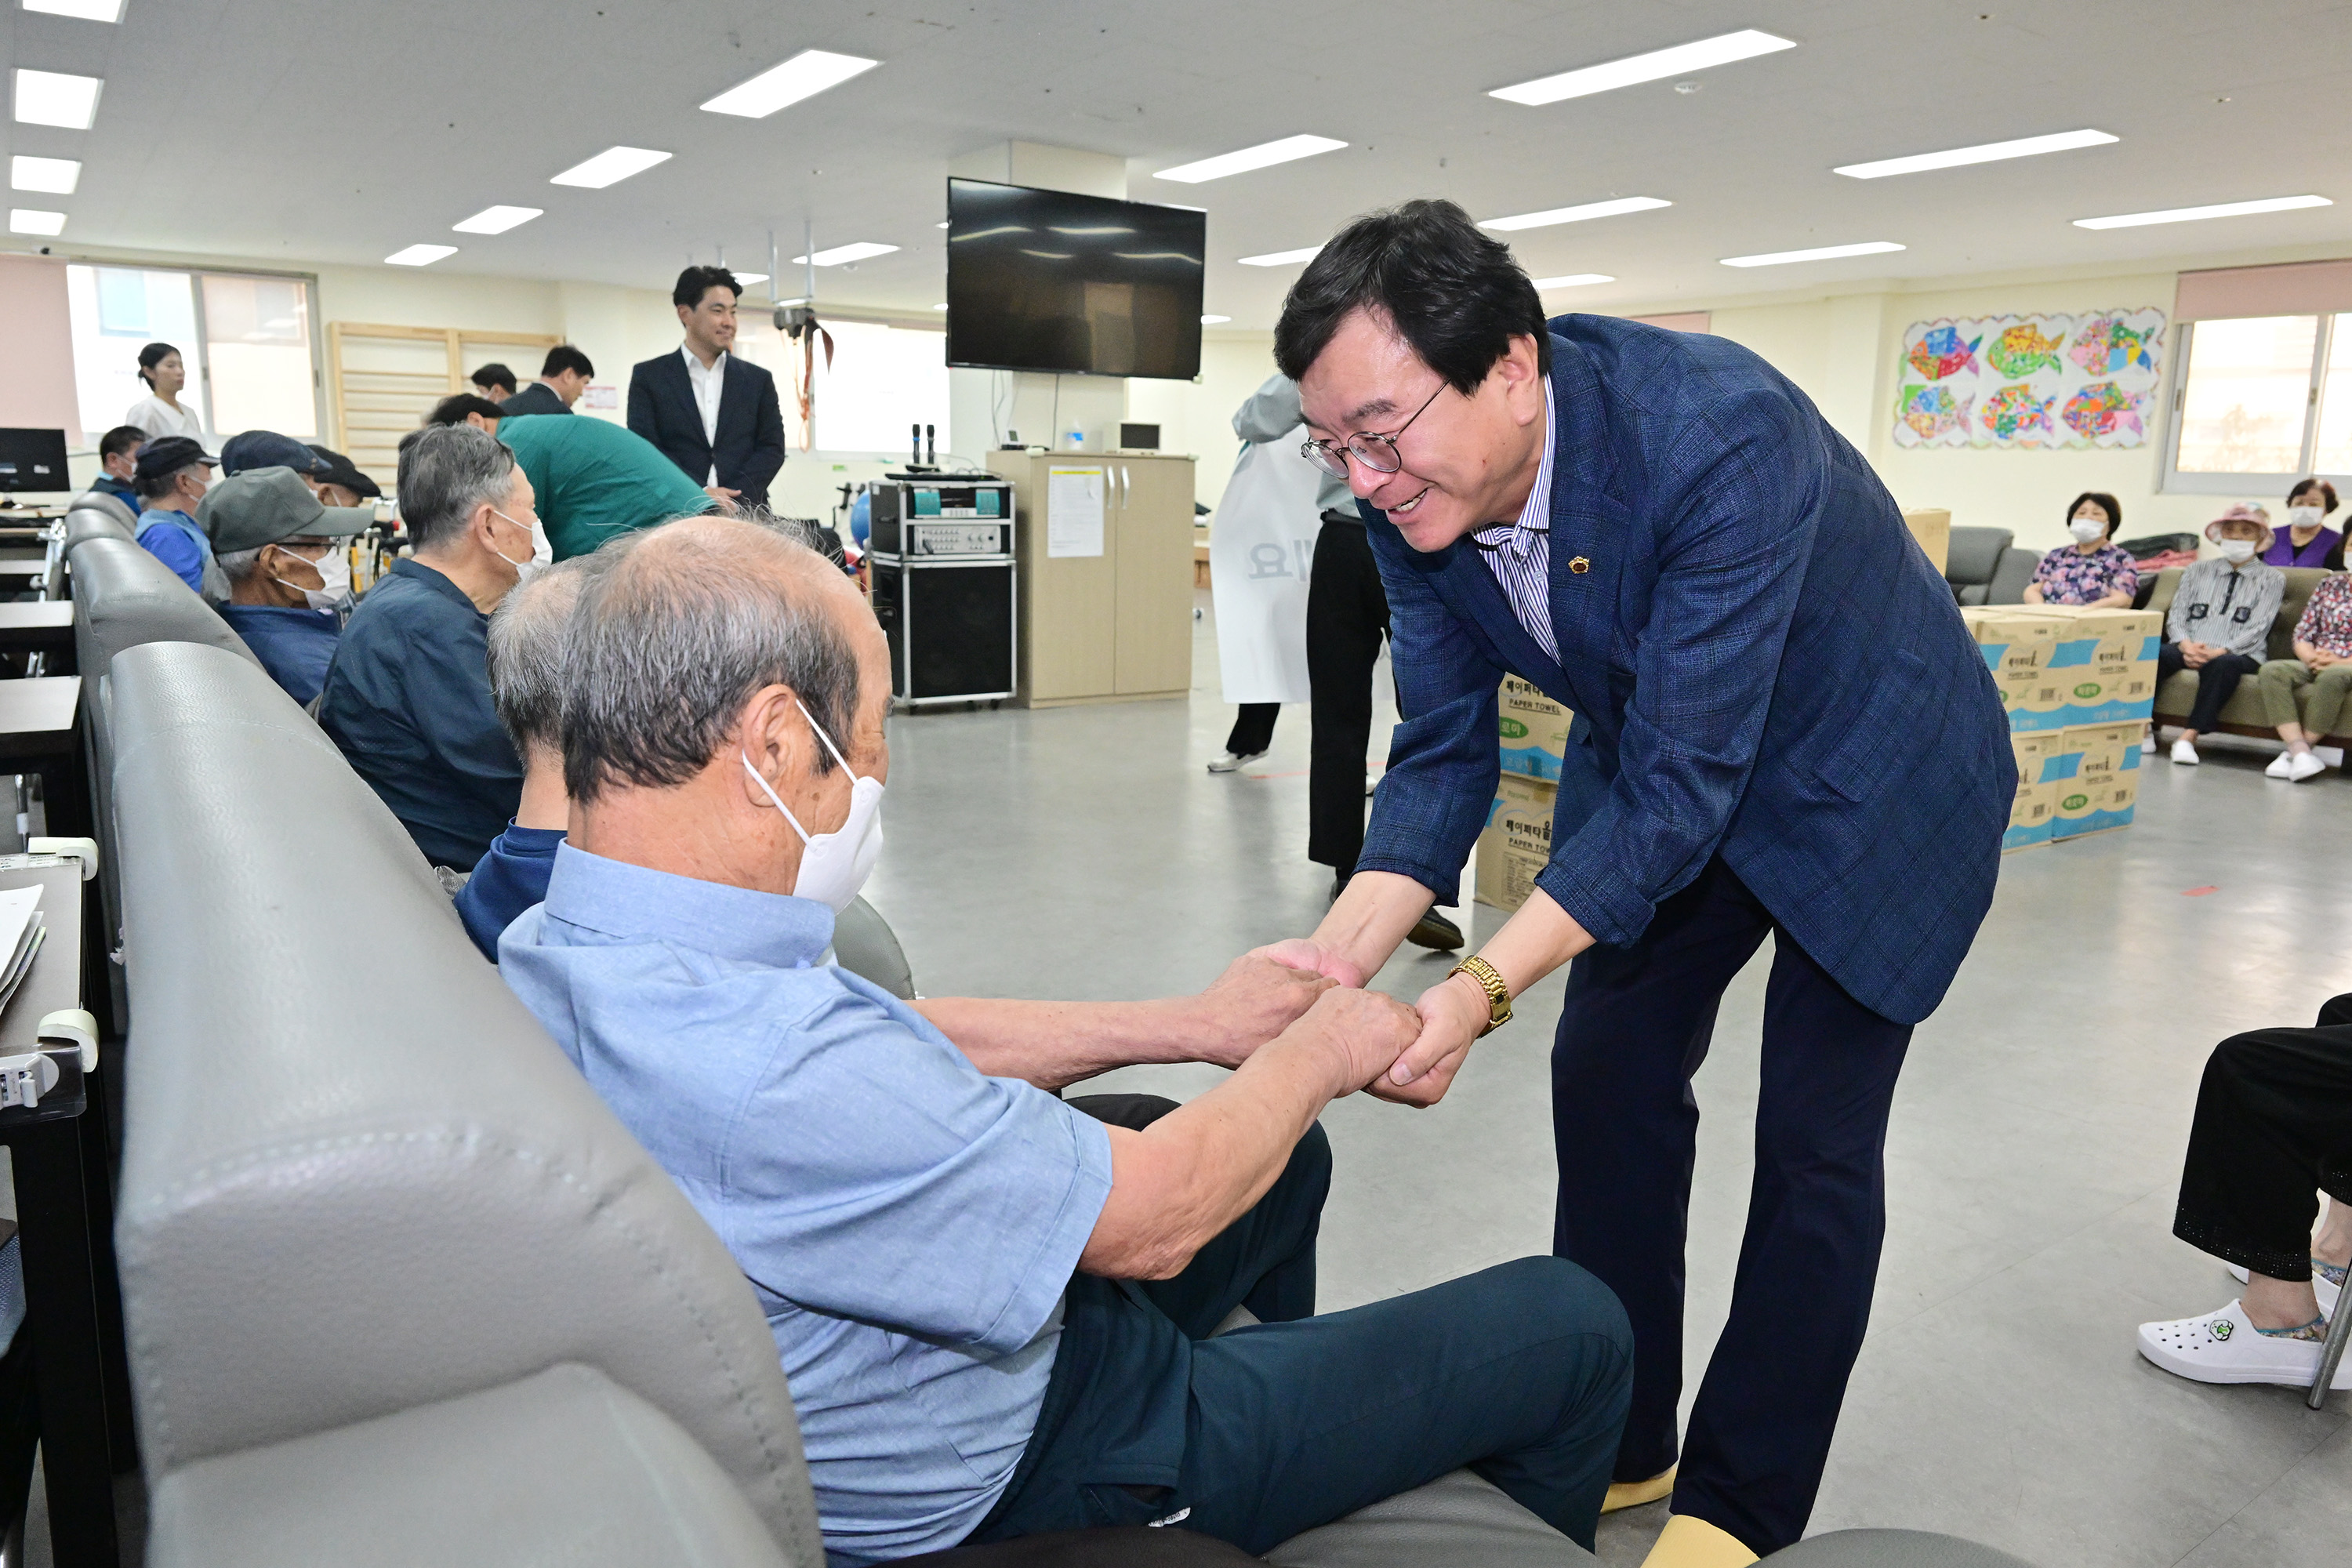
(1045, 281)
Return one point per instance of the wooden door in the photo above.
(1067, 602)
(1154, 574)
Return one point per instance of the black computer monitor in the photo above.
(33, 460)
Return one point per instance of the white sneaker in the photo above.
(2306, 765)
(2225, 1347)
(1226, 762)
(2321, 1287)
(2184, 753)
(2148, 744)
(2279, 766)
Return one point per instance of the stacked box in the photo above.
(2102, 664)
(2098, 779)
(1517, 843)
(2032, 818)
(1533, 730)
(1932, 527)
(2016, 648)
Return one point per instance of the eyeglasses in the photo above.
(1378, 453)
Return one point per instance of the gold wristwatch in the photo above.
(1498, 995)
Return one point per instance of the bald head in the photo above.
(681, 628)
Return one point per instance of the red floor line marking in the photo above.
(2198, 892)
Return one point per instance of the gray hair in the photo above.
(668, 642)
(445, 472)
(239, 563)
(528, 637)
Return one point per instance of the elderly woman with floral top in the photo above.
(2322, 666)
(2091, 571)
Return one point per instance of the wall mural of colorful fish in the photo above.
(2103, 408)
(2014, 414)
(2107, 347)
(1939, 353)
(1932, 411)
(2023, 349)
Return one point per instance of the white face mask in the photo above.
(833, 866)
(334, 568)
(2237, 551)
(2086, 528)
(543, 554)
(2304, 516)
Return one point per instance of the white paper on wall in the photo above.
(2050, 381)
(1074, 511)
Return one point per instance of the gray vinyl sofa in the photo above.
(399, 1289)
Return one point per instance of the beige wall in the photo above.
(1843, 350)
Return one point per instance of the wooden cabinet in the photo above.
(1114, 626)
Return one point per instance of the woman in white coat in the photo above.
(161, 413)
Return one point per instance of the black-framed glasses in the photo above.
(1378, 453)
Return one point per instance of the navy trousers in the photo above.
(1520, 1372)
(1636, 1025)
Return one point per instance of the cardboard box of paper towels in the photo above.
(1533, 730)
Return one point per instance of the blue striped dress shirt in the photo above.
(1520, 554)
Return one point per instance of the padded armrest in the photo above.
(1457, 1520)
(1890, 1549)
(564, 1468)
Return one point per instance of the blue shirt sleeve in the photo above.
(879, 1177)
(506, 881)
(175, 549)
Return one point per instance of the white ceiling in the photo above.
(341, 131)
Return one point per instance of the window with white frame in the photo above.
(2260, 401)
(882, 380)
(245, 339)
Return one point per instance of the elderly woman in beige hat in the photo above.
(2220, 623)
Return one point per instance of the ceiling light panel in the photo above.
(420, 255)
(1576, 215)
(1820, 253)
(806, 75)
(1988, 153)
(32, 220)
(610, 167)
(1282, 258)
(50, 176)
(750, 277)
(2191, 214)
(839, 254)
(1214, 321)
(1262, 156)
(87, 10)
(1571, 280)
(1676, 61)
(497, 220)
(52, 97)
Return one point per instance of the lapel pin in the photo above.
(1579, 565)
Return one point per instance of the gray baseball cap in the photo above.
(267, 506)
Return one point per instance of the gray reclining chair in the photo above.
(95, 514)
(123, 597)
(1973, 559)
(398, 1287)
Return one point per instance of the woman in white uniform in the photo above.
(162, 412)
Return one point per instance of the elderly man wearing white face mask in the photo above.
(2219, 623)
(994, 1306)
(290, 571)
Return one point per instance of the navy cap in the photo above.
(163, 457)
(342, 471)
(269, 449)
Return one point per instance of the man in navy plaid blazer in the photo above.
(1783, 728)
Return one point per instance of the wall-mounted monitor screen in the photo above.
(1045, 281)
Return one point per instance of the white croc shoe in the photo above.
(2303, 766)
(2279, 766)
(2185, 753)
(2225, 1347)
(2320, 1287)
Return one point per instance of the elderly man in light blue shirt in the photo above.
(994, 1307)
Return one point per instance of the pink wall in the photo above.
(37, 346)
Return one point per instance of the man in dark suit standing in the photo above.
(1783, 730)
(562, 379)
(712, 414)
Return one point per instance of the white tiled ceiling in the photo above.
(342, 131)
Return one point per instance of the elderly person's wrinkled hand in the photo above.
(1257, 998)
(1361, 1033)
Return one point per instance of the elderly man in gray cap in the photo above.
(290, 574)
